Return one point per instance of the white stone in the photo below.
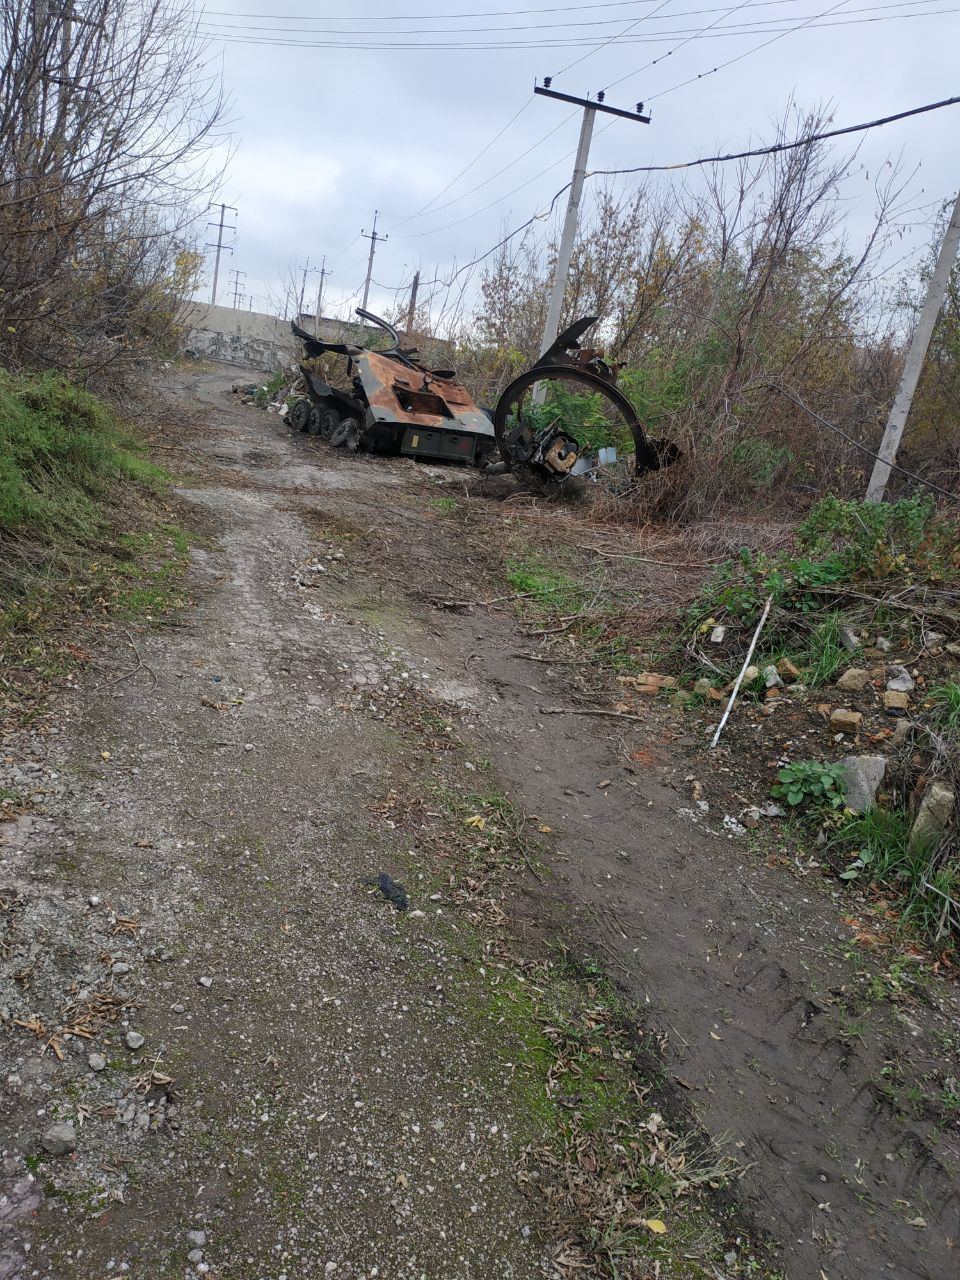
(863, 775)
(933, 816)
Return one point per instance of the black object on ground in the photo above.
(391, 890)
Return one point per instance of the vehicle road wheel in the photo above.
(300, 415)
(329, 421)
(314, 425)
(346, 434)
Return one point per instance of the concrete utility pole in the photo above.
(412, 308)
(303, 288)
(219, 246)
(322, 273)
(373, 238)
(560, 272)
(915, 356)
(237, 288)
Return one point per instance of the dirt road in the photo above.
(326, 1085)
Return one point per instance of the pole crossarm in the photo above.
(597, 105)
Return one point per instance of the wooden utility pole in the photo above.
(412, 308)
(562, 268)
(373, 238)
(913, 367)
(219, 246)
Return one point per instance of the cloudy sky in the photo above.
(343, 107)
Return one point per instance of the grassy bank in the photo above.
(85, 531)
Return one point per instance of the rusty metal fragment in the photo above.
(551, 451)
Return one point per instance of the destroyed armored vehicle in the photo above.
(395, 403)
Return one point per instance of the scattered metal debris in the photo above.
(396, 405)
(547, 448)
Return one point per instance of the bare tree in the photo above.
(109, 118)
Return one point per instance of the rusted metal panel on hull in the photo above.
(415, 397)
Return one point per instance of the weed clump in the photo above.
(846, 556)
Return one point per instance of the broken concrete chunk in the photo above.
(717, 634)
(863, 777)
(648, 681)
(849, 639)
(883, 644)
(933, 816)
(933, 639)
(900, 733)
(843, 720)
(899, 680)
(895, 703)
(771, 677)
(59, 1139)
(853, 680)
(706, 690)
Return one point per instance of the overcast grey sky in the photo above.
(325, 135)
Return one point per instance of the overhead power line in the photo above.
(466, 169)
(670, 52)
(783, 146)
(690, 164)
(809, 22)
(620, 35)
(379, 19)
(429, 17)
(314, 39)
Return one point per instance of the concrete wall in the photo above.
(255, 340)
(247, 338)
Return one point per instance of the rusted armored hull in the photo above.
(397, 405)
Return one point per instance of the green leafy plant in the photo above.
(269, 390)
(811, 782)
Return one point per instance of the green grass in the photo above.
(946, 706)
(269, 390)
(84, 532)
(824, 655)
(875, 849)
(841, 545)
(446, 506)
(546, 586)
(62, 451)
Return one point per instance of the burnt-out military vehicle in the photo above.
(394, 404)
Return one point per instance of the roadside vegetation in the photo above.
(86, 533)
(98, 208)
(735, 308)
(860, 595)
